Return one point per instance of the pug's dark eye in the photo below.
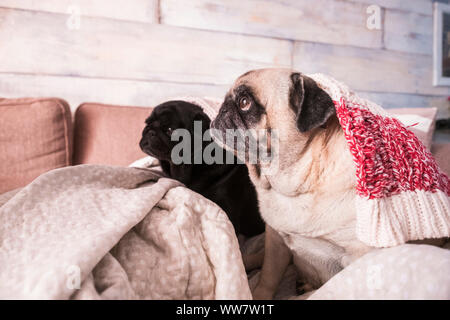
(245, 103)
(169, 131)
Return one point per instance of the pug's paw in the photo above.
(262, 293)
(303, 288)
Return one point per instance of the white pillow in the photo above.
(403, 272)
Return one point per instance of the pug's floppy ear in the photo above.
(312, 105)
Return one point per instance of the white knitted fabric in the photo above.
(209, 105)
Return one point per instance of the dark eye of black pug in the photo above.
(245, 103)
(169, 131)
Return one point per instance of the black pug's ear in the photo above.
(201, 116)
(312, 105)
(206, 122)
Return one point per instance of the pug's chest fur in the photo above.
(328, 214)
(303, 214)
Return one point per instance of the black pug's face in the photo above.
(163, 121)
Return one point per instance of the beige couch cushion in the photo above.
(421, 121)
(107, 134)
(441, 152)
(35, 137)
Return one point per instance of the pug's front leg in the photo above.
(277, 257)
(258, 179)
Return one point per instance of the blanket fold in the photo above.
(105, 232)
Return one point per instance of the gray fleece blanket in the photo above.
(100, 232)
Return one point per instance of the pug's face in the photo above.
(166, 118)
(269, 99)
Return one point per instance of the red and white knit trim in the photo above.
(389, 158)
(402, 193)
(410, 215)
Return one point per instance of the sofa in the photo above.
(41, 134)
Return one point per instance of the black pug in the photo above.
(228, 185)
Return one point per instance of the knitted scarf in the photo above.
(402, 194)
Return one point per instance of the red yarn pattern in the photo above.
(389, 158)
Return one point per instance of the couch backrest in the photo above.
(441, 152)
(106, 134)
(35, 137)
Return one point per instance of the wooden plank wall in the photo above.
(140, 52)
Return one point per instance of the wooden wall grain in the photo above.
(141, 52)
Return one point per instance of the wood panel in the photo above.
(398, 100)
(103, 48)
(78, 90)
(395, 100)
(408, 32)
(327, 21)
(146, 93)
(135, 10)
(369, 70)
(418, 6)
